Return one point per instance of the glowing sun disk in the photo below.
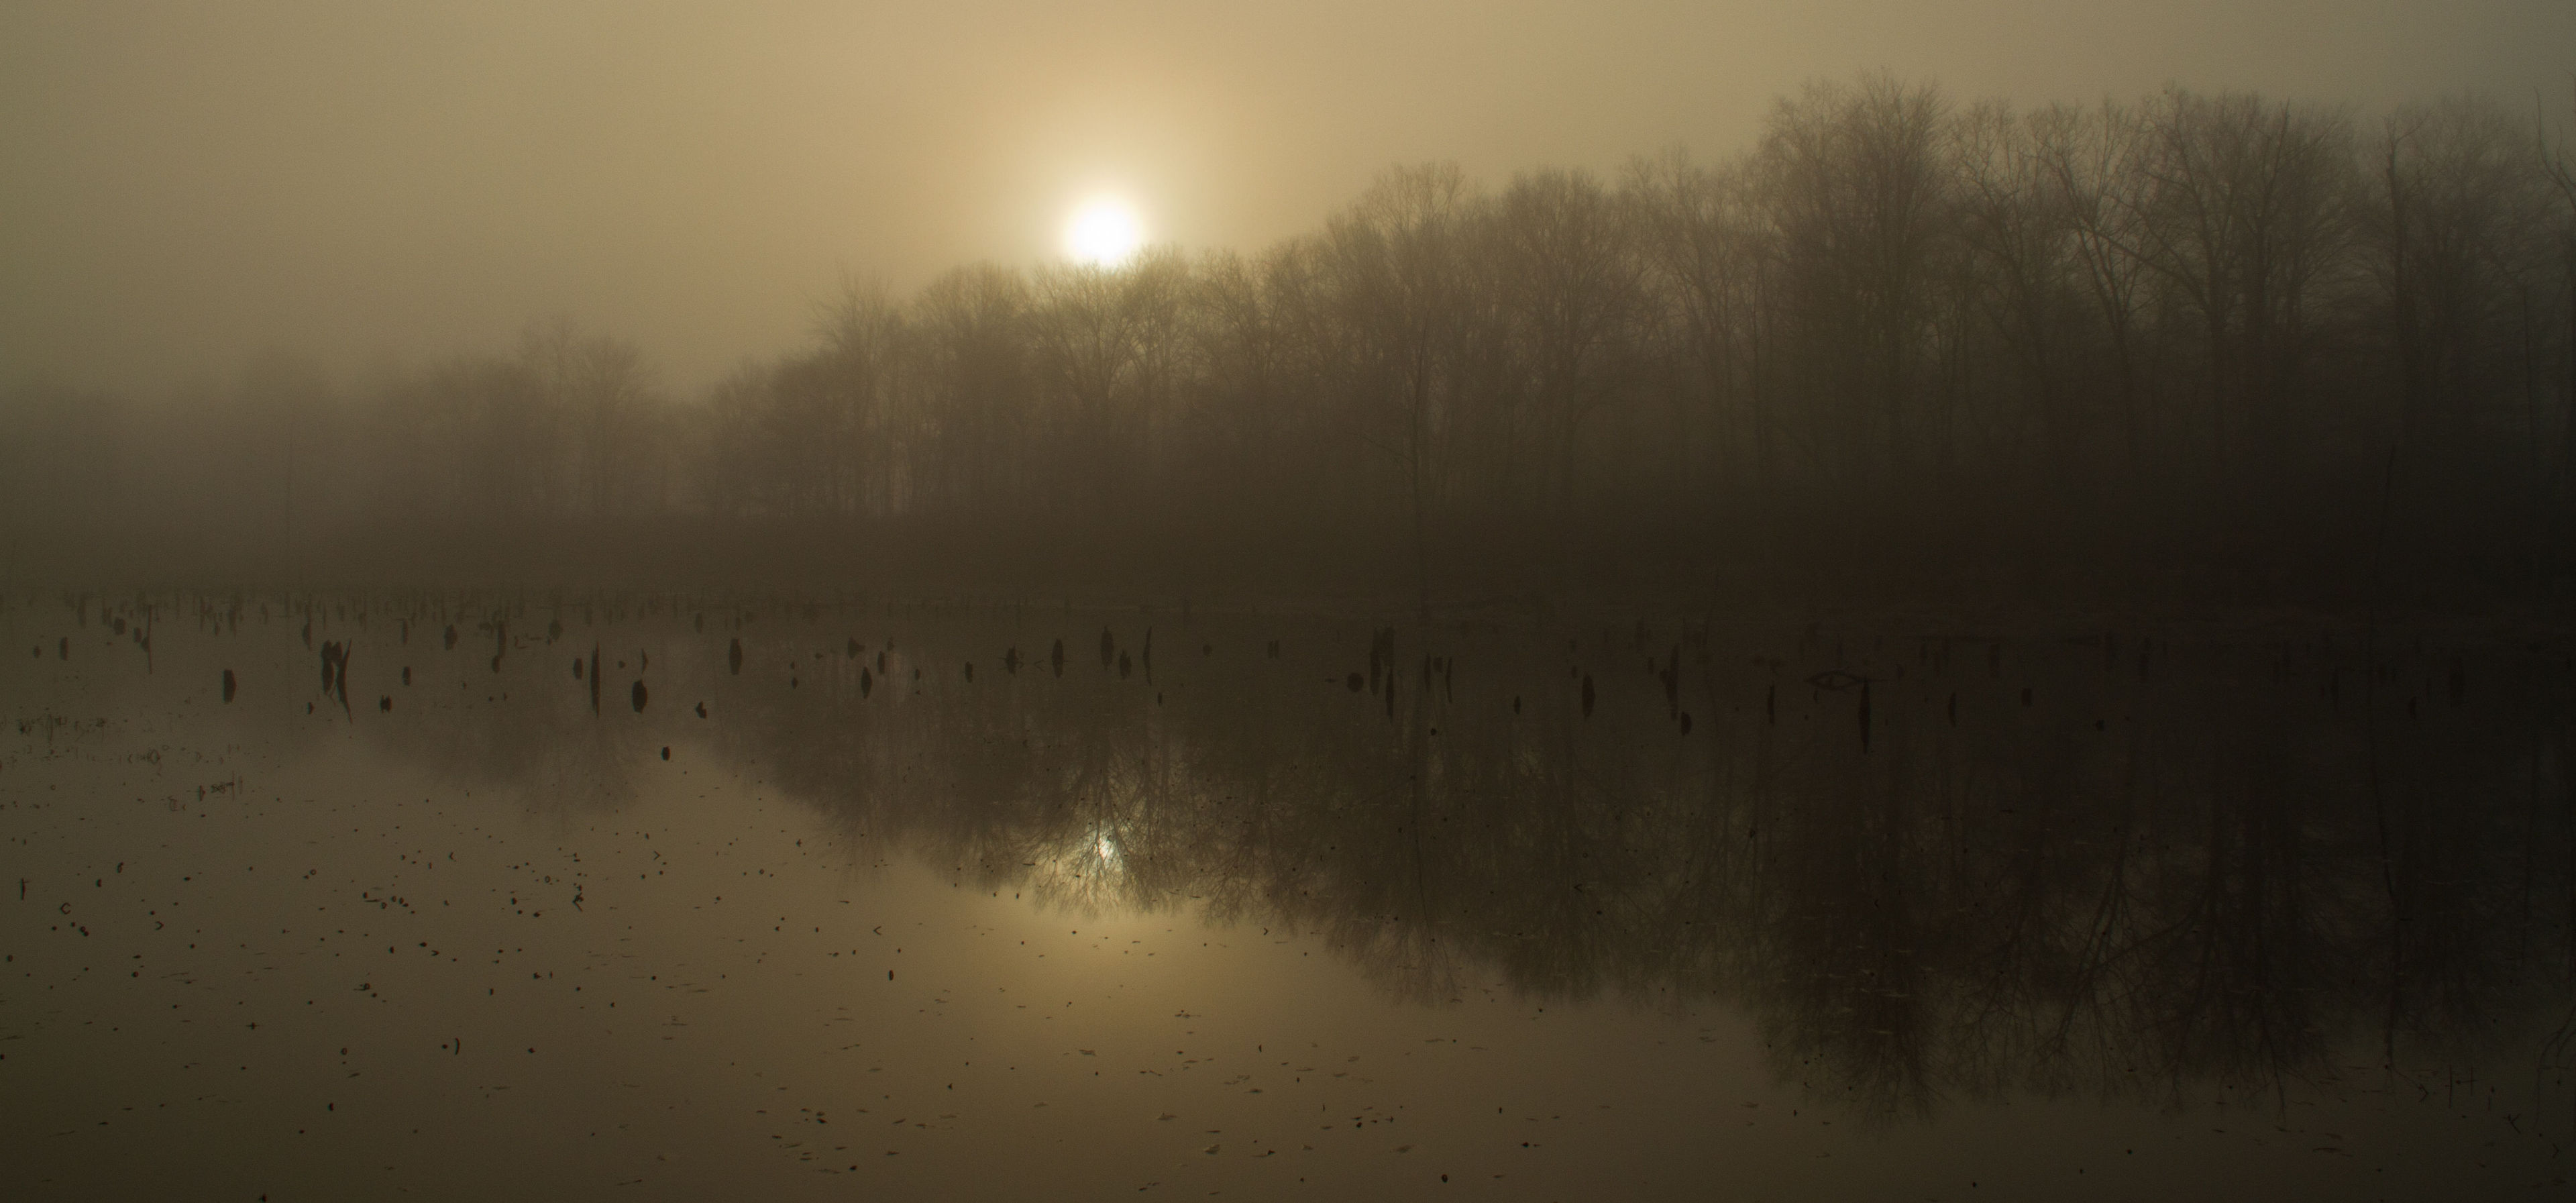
(1104, 232)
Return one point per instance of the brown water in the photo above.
(1781, 912)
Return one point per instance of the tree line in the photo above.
(2276, 348)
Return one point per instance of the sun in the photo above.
(1104, 232)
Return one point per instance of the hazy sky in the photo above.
(183, 185)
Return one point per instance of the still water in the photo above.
(322, 898)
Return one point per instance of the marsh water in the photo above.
(663, 897)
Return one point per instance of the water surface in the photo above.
(893, 901)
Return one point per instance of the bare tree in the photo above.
(1401, 288)
(1710, 255)
(2246, 211)
(1859, 182)
(2019, 274)
(972, 406)
(2095, 161)
(1572, 271)
(864, 337)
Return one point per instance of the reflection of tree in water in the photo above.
(2121, 886)
(528, 725)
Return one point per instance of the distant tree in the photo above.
(965, 430)
(2246, 211)
(731, 470)
(863, 339)
(1706, 235)
(1572, 269)
(1403, 289)
(1237, 400)
(1106, 342)
(613, 408)
(2459, 224)
(2095, 160)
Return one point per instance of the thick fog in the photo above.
(184, 187)
(2267, 306)
(1017, 599)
